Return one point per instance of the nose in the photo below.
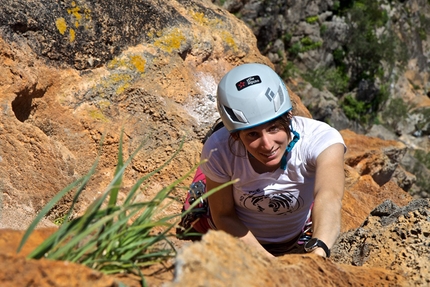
(266, 142)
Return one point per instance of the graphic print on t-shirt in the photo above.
(277, 202)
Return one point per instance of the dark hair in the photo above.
(283, 120)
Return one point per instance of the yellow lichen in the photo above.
(201, 19)
(87, 13)
(116, 78)
(122, 88)
(170, 41)
(122, 81)
(228, 39)
(72, 35)
(104, 104)
(97, 115)
(75, 12)
(118, 82)
(80, 14)
(113, 63)
(118, 63)
(61, 25)
(138, 62)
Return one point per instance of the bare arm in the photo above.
(328, 193)
(221, 204)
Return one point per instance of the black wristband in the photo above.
(314, 243)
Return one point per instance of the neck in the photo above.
(259, 167)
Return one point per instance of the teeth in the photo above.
(269, 154)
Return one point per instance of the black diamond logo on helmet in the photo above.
(270, 94)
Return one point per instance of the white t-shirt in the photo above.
(273, 205)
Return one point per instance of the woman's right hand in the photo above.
(224, 215)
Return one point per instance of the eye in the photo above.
(252, 134)
(274, 129)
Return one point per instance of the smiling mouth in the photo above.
(271, 153)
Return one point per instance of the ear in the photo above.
(235, 136)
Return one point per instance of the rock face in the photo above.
(55, 114)
(372, 176)
(209, 263)
(75, 74)
(392, 237)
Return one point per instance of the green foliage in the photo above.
(315, 78)
(289, 71)
(353, 109)
(396, 110)
(294, 50)
(110, 236)
(424, 27)
(308, 45)
(365, 50)
(380, 99)
(423, 157)
(364, 111)
(312, 19)
(336, 5)
(305, 44)
(332, 78)
(59, 220)
(287, 37)
(323, 29)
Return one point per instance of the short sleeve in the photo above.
(218, 165)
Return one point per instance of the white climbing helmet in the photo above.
(250, 95)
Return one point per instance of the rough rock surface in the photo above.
(370, 168)
(209, 263)
(53, 119)
(394, 238)
(71, 75)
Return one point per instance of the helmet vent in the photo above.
(236, 115)
(281, 95)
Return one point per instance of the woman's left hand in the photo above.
(328, 194)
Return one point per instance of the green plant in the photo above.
(308, 44)
(59, 220)
(353, 109)
(312, 19)
(423, 157)
(294, 50)
(315, 78)
(365, 49)
(332, 78)
(423, 27)
(337, 81)
(395, 111)
(419, 168)
(323, 29)
(305, 44)
(336, 5)
(289, 71)
(287, 37)
(110, 236)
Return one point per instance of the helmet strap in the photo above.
(289, 148)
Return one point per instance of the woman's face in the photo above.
(266, 143)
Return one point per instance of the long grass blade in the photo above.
(81, 182)
(115, 237)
